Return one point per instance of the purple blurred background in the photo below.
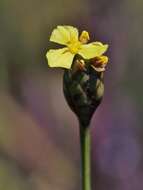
(39, 137)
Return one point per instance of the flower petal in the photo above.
(92, 50)
(64, 34)
(60, 58)
(73, 33)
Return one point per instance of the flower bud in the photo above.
(83, 90)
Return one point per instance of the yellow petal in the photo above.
(64, 34)
(73, 33)
(92, 50)
(60, 58)
(84, 37)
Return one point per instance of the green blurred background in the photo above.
(39, 139)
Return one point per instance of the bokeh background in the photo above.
(39, 137)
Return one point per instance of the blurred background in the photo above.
(39, 137)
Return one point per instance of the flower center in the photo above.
(74, 47)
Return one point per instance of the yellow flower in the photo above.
(75, 44)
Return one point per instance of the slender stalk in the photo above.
(85, 157)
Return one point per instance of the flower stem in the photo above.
(85, 157)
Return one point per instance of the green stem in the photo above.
(85, 157)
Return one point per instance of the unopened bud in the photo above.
(83, 91)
